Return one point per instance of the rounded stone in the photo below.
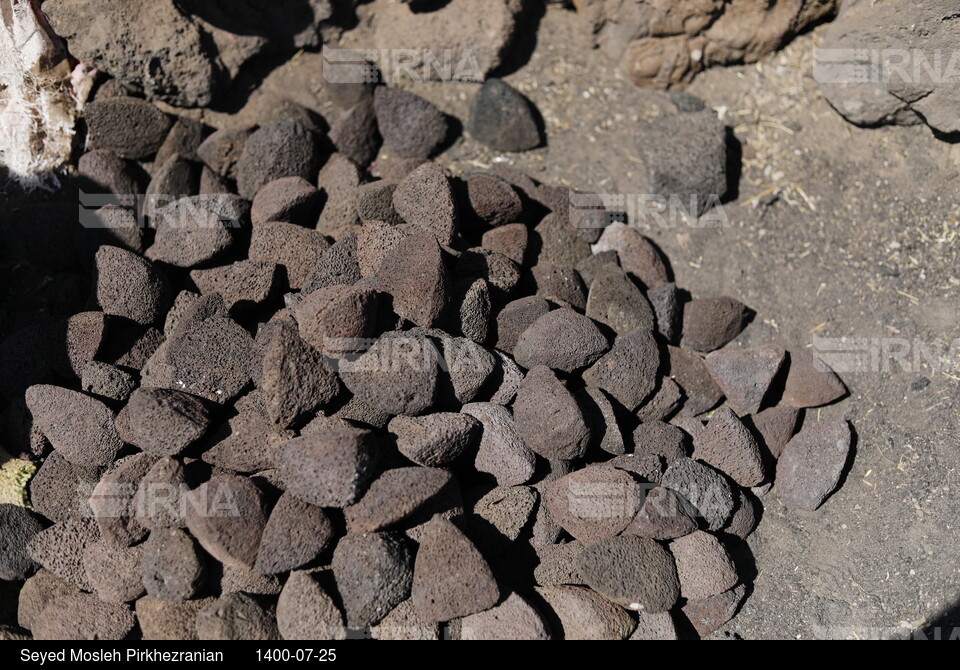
(704, 566)
(634, 572)
(173, 565)
(435, 440)
(236, 616)
(305, 611)
(594, 503)
(710, 323)
(374, 573)
(226, 516)
(704, 488)
(502, 118)
(129, 286)
(579, 613)
(562, 340)
(548, 417)
(83, 617)
(114, 571)
(451, 578)
(18, 526)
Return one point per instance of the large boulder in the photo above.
(460, 40)
(186, 52)
(664, 43)
(875, 71)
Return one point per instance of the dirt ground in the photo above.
(835, 232)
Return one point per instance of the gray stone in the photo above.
(810, 467)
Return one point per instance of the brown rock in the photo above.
(689, 370)
(664, 516)
(727, 445)
(291, 199)
(328, 467)
(502, 452)
(425, 198)
(295, 534)
(548, 418)
(435, 440)
(451, 579)
(513, 619)
(236, 616)
(306, 612)
(634, 572)
(637, 254)
(374, 573)
(330, 318)
(227, 516)
(704, 488)
(704, 566)
(594, 503)
(708, 615)
(810, 382)
(562, 340)
(79, 427)
(114, 572)
(628, 371)
(745, 376)
(710, 323)
(83, 617)
(396, 495)
(579, 613)
(775, 426)
(174, 567)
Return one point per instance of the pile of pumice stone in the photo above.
(306, 403)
